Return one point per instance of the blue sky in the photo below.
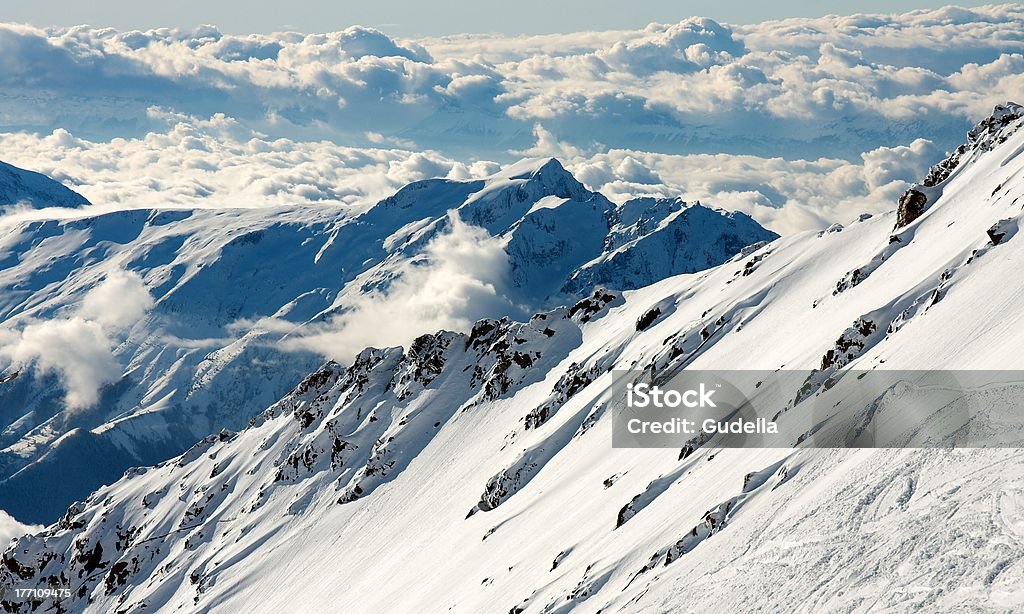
(419, 18)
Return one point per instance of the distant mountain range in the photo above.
(246, 302)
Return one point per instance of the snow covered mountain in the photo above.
(21, 187)
(473, 472)
(239, 305)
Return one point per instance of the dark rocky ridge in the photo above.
(988, 133)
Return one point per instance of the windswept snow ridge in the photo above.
(21, 187)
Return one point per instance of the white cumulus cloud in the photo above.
(80, 348)
(800, 122)
(460, 280)
(831, 86)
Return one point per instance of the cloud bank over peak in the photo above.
(216, 163)
(784, 195)
(460, 280)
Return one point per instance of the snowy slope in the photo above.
(474, 473)
(230, 285)
(21, 187)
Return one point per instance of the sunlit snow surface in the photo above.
(409, 481)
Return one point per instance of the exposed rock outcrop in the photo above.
(1002, 230)
(912, 205)
(995, 129)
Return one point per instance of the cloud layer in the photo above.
(798, 88)
(80, 348)
(459, 280)
(11, 528)
(801, 122)
(214, 163)
(787, 196)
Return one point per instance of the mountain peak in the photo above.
(997, 127)
(528, 168)
(19, 186)
(1006, 109)
(547, 173)
(550, 168)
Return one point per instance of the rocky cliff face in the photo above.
(651, 239)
